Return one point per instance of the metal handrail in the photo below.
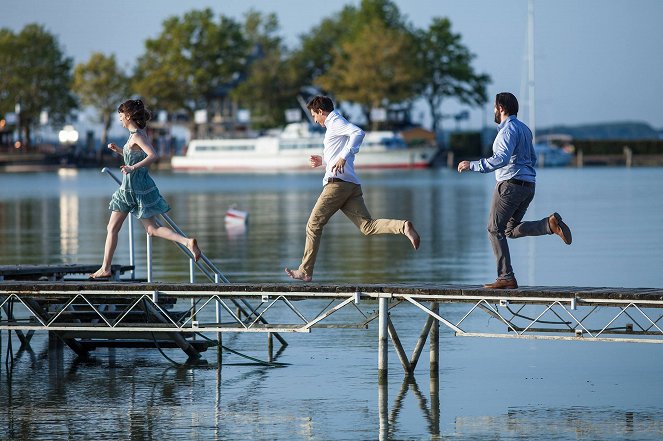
(213, 273)
(209, 269)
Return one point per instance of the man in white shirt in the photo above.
(342, 189)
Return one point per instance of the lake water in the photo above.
(488, 388)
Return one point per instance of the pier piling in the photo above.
(383, 357)
(435, 342)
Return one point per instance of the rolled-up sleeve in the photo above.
(355, 137)
(502, 151)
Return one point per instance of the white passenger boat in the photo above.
(291, 148)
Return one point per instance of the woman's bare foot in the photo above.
(100, 274)
(299, 275)
(412, 234)
(192, 245)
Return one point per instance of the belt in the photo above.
(521, 183)
(335, 180)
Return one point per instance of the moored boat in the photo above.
(291, 148)
(554, 150)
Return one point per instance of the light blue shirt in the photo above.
(513, 153)
(342, 140)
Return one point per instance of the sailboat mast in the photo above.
(530, 67)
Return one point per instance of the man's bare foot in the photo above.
(298, 274)
(100, 274)
(412, 234)
(192, 245)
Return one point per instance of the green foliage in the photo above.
(363, 55)
(447, 69)
(366, 54)
(100, 83)
(319, 47)
(373, 70)
(190, 61)
(315, 54)
(36, 74)
(271, 85)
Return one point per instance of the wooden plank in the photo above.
(370, 292)
(55, 270)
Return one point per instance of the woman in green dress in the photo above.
(138, 193)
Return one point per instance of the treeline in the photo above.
(367, 55)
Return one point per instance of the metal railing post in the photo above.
(219, 340)
(132, 251)
(192, 279)
(149, 258)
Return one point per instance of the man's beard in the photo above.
(497, 117)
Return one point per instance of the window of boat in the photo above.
(390, 143)
(284, 145)
(217, 148)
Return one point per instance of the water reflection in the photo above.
(484, 389)
(69, 225)
(573, 422)
(124, 394)
(389, 420)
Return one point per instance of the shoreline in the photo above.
(22, 166)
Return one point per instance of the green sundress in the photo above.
(138, 193)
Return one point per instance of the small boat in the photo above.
(291, 148)
(236, 217)
(554, 150)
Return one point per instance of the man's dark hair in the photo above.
(508, 101)
(319, 102)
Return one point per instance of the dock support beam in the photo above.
(383, 348)
(435, 342)
(194, 355)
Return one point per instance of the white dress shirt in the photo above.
(342, 140)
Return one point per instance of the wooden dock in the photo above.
(85, 314)
(56, 272)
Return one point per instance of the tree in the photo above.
(270, 86)
(374, 69)
(36, 75)
(447, 71)
(318, 48)
(101, 84)
(362, 54)
(315, 53)
(191, 59)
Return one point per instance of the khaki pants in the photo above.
(347, 197)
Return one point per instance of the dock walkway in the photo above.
(55, 272)
(113, 310)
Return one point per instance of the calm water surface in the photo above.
(488, 388)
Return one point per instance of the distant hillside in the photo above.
(617, 130)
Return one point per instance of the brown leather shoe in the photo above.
(502, 284)
(560, 228)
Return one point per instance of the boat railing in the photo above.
(206, 266)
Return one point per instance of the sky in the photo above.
(596, 61)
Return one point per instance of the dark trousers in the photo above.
(510, 202)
